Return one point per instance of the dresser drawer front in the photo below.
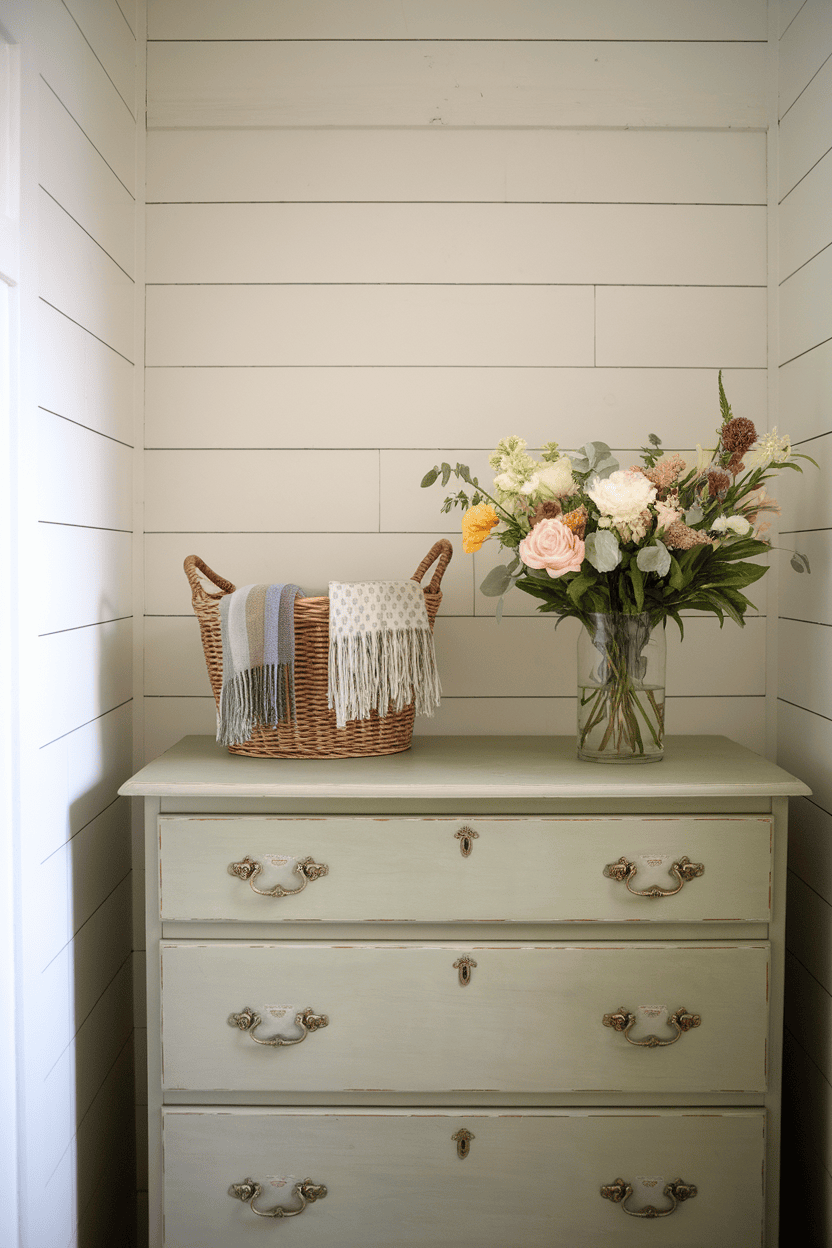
(529, 1019)
(394, 1179)
(465, 869)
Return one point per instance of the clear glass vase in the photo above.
(621, 679)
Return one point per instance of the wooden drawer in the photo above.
(530, 1019)
(394, 1179)
(413, 869)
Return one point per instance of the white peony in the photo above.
(731, 524)
(555, 479)
(622, 496)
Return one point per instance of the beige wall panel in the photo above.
(84, 478)
(683, 327)
(73, 173)
(112, 41)
(101, 946)
(804, 747)
(805, 224)
(454, 19)
(806, 394)
(803, 49)
(788, 10)
(645, 244)
(264, 491)
(79, 279)
(128, 10)
(310, 560)
(80, 774)
(806, 665)
(810, 832)
(805, 497)
(301, 325)
(808, 1013)
(806, 130)
(805, 307)
(83, 674)
(807, 1101)
(406, 407)
(82, 378)
(101, 1132)
(458, 83)
(810, 931)
(57, 1084)
(167, 720)
(102, 1037)
(86, 577)
(596, 166)
(805, 597)
(77, 77)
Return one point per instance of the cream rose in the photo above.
(553, 546)
(622, 496)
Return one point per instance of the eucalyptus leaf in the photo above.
(602, 550)
(430, 477)
(446, 474)
(799, 562)
(654, 559)
(496, 583)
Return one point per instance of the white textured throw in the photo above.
(381, 654)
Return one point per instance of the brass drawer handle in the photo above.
(623, 871)
(620, 1192)
(249, 1019)
(624, 1021)
(306, 868)
(306, 1191)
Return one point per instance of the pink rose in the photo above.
(553, 546)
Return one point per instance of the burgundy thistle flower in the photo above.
(738, 436)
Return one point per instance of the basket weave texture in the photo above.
(313, 733)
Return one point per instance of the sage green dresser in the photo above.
(476, 995)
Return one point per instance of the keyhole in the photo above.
(466, 837)
(463, 1142)
(464, 966)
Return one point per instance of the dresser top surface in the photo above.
(467, 767)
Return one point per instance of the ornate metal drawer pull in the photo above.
(466, 837)
(624, 1021)
(306, 868)
(463, 1140)
(249, 1019)
(620, 1192)
(625, 871)
(306, 1191)
(465, 966)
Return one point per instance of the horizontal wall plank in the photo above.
(111, 39)
(808, 1013)
(584, 166)
(302, 325)
(102, 1037)
(805, 498)
(810, 835)
(84, 478)
(311, 560)
(810, 930)
(454, 19)
(806, 130)
(803, 49)
(643, 244)
(101, 1137)
(461, 83)
(805, 307)
(805, 226)
(266, 491)
(807, 1102)
(788, 10)
(128, 10)
(74, 174)
(74, 73)
(519, 658)
(83, 379)
(804, 747)
(741, 719)
(79, 279)
(687, 327)
(806, 393)
(86, 576)
(344, 406)
(83, 674)
(805, 671)
(101, 946)
(805, 597)
(79, 775)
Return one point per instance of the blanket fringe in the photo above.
(382, 671)
(256, 697)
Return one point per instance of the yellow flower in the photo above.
(477, 524)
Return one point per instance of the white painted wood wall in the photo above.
(804, 712)
(72, 856)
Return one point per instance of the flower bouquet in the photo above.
(624, 549)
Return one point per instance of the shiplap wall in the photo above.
(805, 687)
(384, 234)
(77, 936)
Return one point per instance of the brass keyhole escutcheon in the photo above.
(464, 966)
(466, 837)
(463, 1142)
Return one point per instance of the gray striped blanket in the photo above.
(258, 656)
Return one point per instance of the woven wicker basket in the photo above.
(313, 734)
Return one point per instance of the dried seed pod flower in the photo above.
(680, 537)
(546, 511)
(738, 435)
(718, 483)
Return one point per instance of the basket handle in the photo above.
(193, 566)
(441, 550)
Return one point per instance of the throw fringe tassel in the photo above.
(260, 696)
(382, 671)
